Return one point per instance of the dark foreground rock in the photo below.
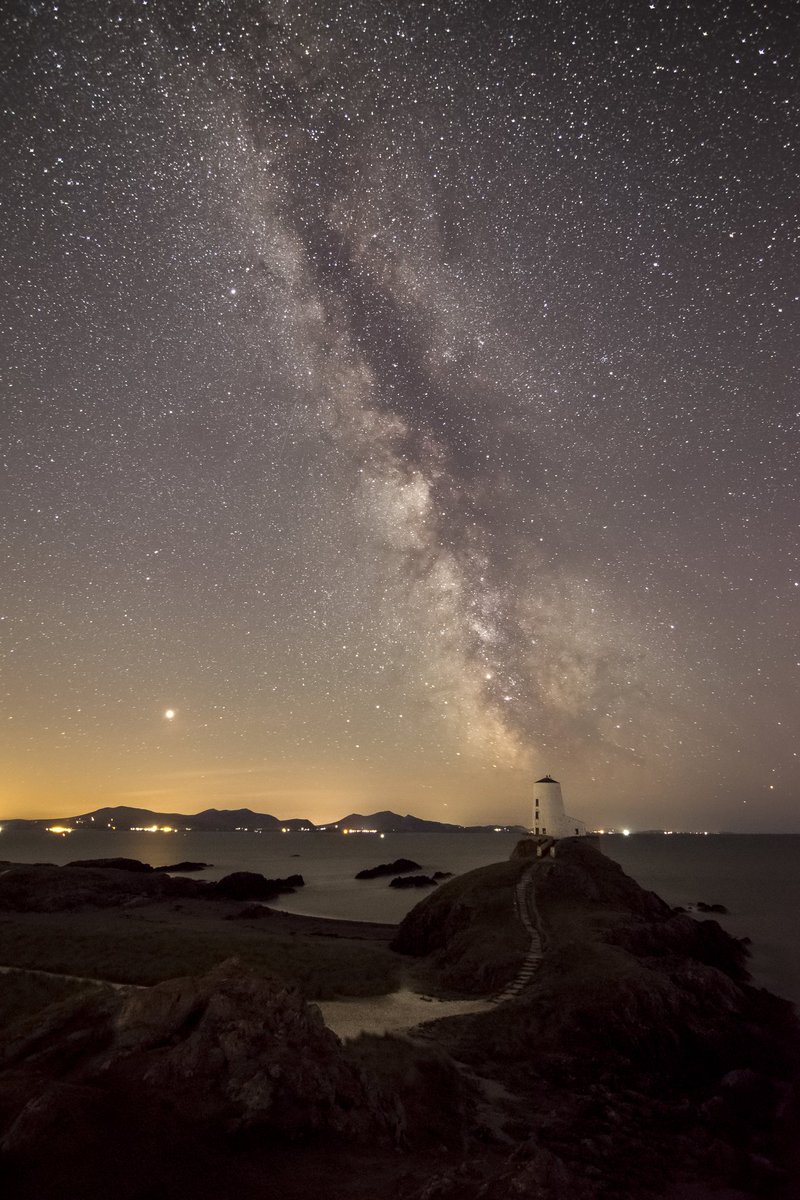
(115, 1080)
(393, 868)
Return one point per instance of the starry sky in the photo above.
(405, 396)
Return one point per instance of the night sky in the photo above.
(405, 396)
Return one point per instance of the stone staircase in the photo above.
(526, 911)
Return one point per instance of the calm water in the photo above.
(756, 877)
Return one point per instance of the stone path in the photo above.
(526, 911)
(73, 978)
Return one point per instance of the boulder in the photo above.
(249, 885)
(251, 912)
(230, 1050)
(393, 868)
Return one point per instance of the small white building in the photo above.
(548, 811)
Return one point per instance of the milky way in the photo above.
(406, 396)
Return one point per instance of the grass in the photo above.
(22, 995)
(145, 952)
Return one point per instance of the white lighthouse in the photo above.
(548, 811)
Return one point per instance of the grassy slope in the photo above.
(125, 948)
(470, 931)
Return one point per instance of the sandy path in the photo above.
(393, 1013)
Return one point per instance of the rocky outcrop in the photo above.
(45, 888)
(470, 930)
(107, 883)
(184, 866)
(114, 864)
(645, 1057)
(219, 1056)
(393, 868)
(581, 874)
(249, 885)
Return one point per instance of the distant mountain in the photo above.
(391, 822)
(223, 819)
(227, 820)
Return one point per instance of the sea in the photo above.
(756, 877)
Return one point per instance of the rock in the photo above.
(584, 875)
(412, 881)
(228, 1050)
(251, 912)
(184, 866)
(112, 864)
(394, 868)
(437, 875)
(45, 888)
(249, 885)
(701, 906)
(680, 935)
(55, 1119)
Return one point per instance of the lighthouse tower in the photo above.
(548, 811)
